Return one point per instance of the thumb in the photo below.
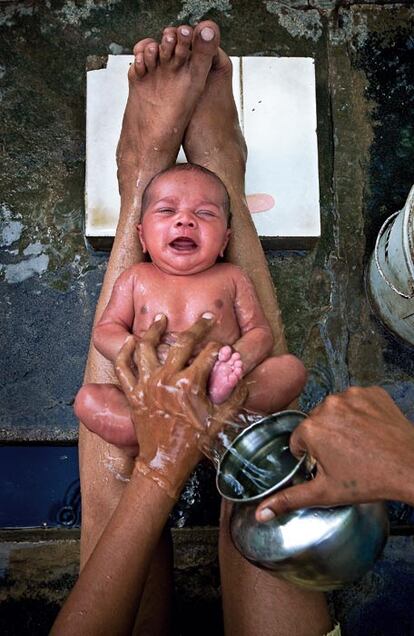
(304, 495)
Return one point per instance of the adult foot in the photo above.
(213, 137)
(165, 83)
(225, 375)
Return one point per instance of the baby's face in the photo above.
(184, 228)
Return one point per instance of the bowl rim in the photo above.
(279, 484)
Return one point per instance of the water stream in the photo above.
(249, 477)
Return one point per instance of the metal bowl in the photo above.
(317, 548)
(259, 461)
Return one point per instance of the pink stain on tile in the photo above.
(260, 202)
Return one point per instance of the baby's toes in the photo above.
(225, 353)
(236, 364)
(238, 369)
(234, 359)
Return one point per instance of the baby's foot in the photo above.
(165, 83)
(225, 375)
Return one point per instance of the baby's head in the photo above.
(185, 219)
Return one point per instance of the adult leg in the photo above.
(164, 84)
(254, 602)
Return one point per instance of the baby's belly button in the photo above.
(169, 340)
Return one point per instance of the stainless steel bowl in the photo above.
(317, 548)
(259, 461)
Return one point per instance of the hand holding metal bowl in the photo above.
(318, 548)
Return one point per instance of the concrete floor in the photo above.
(50, 280)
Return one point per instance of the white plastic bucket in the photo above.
(391, 272)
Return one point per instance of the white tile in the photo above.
(278, 115)
(236, 83)
(107, 92)
(279, 112)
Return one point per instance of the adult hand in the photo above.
(364, 451)
(172, 414)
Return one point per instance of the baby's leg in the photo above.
(275, 383)
(104, 409)
(225, 374)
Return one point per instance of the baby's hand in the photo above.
(225, 374)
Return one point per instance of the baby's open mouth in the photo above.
(183, 244)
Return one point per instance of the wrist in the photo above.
(158, 478)
(396, 474)
(402, 485)
(169, 474)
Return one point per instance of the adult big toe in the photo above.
(206, 40)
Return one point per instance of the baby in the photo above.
(184, 229)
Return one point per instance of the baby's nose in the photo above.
(185, 220)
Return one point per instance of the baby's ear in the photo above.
(141, 237)
(225, 242)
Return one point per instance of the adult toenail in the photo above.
(207, 34)
(153, 49)
(185, 31)
(170, 38)
(139, 58)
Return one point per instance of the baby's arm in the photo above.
(254, 345)
(116, 321)
(256, 341)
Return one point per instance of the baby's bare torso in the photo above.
(183, 299)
